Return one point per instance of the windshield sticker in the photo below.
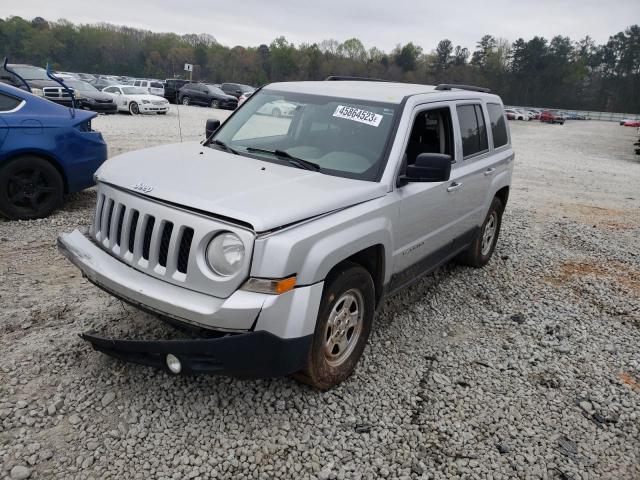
(358, 115)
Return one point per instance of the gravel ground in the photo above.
(528, 368)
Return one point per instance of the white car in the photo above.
(518, 114)
(278, 108)
(154, 87)
(137, 100)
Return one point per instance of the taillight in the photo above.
(84, 126)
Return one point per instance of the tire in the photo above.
(276, 112)
(482, 248)
(215, 103)
(133, 108)
(331, 361)
(186, 101)
(30, 188)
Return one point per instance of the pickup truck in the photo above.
(274, 241)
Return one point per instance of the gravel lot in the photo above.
(529, 368)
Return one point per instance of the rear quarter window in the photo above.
(8, 103)
(498, 125)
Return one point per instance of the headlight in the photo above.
(225, 254)
(37, 91)
(145, 101)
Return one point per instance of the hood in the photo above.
(145, 96)
(263, 194)
(96, 95)
(43, 83)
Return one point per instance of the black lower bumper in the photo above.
(246, 355)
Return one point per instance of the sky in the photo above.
(380, 23)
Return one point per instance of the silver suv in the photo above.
(273, 242)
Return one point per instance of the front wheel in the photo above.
(342, 328)
(134, 109)
(186, 101)
(215, 103)
(30, 188)
(481, 250)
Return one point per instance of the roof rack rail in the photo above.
(471, 88)
(336, 78)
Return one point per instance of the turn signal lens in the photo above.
(270, 286)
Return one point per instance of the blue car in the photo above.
(46, 151)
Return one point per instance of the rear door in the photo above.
(475, 169)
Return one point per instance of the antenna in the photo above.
(66, 89)
(177, 102)
(6, 67)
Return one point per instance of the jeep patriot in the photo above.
(273, 242)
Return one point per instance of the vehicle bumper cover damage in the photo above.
(247, 355)
(256, 335)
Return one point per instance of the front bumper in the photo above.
(247, 355)
(100, 107)
(151, 108)
(258, 334)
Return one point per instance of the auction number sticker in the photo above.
(358, 115)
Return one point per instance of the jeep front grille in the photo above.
(146, 237)
(164, 241)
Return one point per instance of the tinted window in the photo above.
(137, 84)
(8, 103)
(156, 85)
(472, 129)
(498, 125)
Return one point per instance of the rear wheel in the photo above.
(215, 103)
(481, 250)
(134, 109)
(30, 187)
(342, 328)
(186, 101)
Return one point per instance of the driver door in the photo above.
(428, 219)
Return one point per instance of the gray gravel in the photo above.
(528, 368)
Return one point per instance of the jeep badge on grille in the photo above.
(142, 187)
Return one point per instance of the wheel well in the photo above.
(372, 260)
(47, 158)
(503, 195)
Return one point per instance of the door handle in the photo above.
(489, 171)
(453, 187)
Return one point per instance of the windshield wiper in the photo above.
(298, 162)
(225, 147)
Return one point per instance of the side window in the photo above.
(8, 103)
(109, 90)
(431, 133)
(137, 83)
(472, 129)
(498, 125)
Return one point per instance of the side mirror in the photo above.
(429, 167)
(212, 126)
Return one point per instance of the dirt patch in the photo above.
(601, 217)
(613, 271)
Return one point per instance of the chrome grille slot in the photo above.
(164, 241)
(120, 223)
(132, 230)
(146, 241)
(185, 249)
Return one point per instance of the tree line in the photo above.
(558, 73)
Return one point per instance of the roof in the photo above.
(388, 92)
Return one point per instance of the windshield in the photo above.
(31, 73)
(80, 86)
(134, 91)
(343, 137)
